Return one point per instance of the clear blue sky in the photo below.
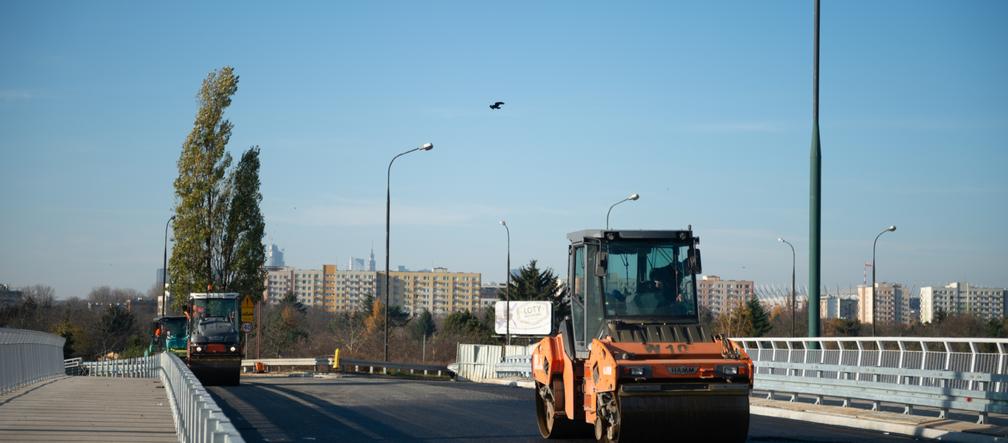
(702, 109)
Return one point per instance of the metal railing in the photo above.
(140, 367)
(325, 364)
(965, 374)
(197, 416)
(28, 357)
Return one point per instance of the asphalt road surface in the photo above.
(359, 408)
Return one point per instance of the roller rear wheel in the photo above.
(552, 426)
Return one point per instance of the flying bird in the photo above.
(496, 105)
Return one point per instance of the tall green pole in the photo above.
(815, 192)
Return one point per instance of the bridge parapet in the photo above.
(28, 357)
(197, 416)
(966, 374)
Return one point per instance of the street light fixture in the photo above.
(634, 196)
(507, 288)
(388, 204)
(792, 285)
(164, 270)
(874, 291)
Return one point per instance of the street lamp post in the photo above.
(874, 291)
(629, 197)
(164, 270)
(507, 287)
(388, 204)
(792, 285)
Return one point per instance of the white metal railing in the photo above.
(481, 362)
(140, 367)
(28, 357)
(197, 416)
(966, 374)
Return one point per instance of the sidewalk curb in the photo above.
(875, 425)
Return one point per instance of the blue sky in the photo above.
(703, 109)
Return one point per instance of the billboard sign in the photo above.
(527, 317)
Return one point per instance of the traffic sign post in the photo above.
(247, 310)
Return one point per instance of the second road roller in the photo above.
(632, 361)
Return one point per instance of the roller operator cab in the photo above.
(214, 349)
(169, 334)
(632, 361)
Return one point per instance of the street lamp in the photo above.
(792, 284)
(164, 270)
(388, 204)
(630, 197)
(874, 292)
(507, 288)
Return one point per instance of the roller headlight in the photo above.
(638, 371)
(199, 349)
(729, 370)
(233, 349)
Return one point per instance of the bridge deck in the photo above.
(88, 409)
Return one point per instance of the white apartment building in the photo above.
(962, 298)
(720, 296)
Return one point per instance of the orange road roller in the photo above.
(632, 361)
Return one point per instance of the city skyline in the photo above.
(703, 111)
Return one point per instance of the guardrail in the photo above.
(28, 357)
(197, 416)
(966, 374)
(325, 364)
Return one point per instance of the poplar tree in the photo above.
(218, 226)
(242, 250)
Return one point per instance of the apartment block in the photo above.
(891, 306)
(346, 290)
(719, 296)
(962, 298)
(438, 291)
(489, 295)
(844, 308)
(279, 281)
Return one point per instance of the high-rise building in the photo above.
(962, 298)
(356, 264)
(719, 296)
(371, 262)
(438, 291)
(159, 278)
(891, 306)
(274, 257)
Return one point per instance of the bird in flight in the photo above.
(496, 105)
